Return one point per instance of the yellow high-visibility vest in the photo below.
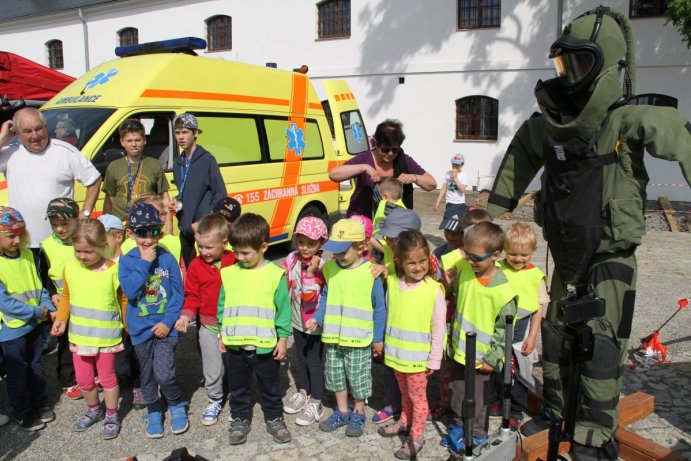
(409, 325)
(22, 283)
(58, 254)
(249, 312)
(349, 318)
(526, 283)
(477, 309)
(95, 318)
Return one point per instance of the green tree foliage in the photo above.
(678, 13)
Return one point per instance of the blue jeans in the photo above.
(26, 384)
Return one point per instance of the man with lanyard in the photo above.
(133, 176)
(200, 184)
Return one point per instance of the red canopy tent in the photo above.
(26, 83)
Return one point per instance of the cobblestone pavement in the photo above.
(664, 277)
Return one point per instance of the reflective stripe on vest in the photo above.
(349, 317)
(249, 314)
(20, 277)
(409, 325)
(57, 255)
(477, 310)
(526, 283)
(94, 305)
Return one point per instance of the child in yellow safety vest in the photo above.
(23, 304)
(484, 299)
(530, 285)
(352, 314)
(414, 341)
(254, 310)
(92, 302)
(63, 214)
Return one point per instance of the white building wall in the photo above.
(413, 39)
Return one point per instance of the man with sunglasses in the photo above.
(387, 159)
(591, 144)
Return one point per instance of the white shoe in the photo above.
(311, 413)
(296, 403)
(4, 419)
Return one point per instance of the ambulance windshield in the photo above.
(75, 125)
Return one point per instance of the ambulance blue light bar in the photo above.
(175, 45)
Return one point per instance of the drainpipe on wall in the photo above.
(86, 39)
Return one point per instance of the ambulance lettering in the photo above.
(309, 189)
(75, 99)
(280, 192)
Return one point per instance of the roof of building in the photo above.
(12, 9)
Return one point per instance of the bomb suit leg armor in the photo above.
(591, 143)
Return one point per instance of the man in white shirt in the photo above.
(39, 169)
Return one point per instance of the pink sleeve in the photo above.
(438, 332)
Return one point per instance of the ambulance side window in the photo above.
(231, 139)
(354, 131)
(282, 135)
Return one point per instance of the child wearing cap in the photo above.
(168, 241)
(134, 175)
(305, 281)
(23, 304)
(115, 235)
(369, 230)
(455, 183)
(255, 309)
(199, 181)
(352, 324)
(150, 278)
(63, 214)
(202, 287)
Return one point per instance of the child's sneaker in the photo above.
(154, 425)
(278, 430)
(459, 445)
(178, 418)
(46, 414)
(72, 392)
(383, 415)
(393, 429)
(111, 427)
(296, 403)
(239, 429)
(89, 418)
(4, 419)
(138, 402)
(335, 421)
(30, 423)
(211, 413)
(453, 434)
(356, 426)
(311, 413)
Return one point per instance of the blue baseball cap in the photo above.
(111, 222)
(458, 159)
(399, 220)
(144, 215)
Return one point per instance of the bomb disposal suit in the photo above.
(591, 144)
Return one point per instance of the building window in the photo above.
(54, 49)
(334, 18)
(646, 8)
(219, 33)
(479, 14)
(654, 99)
(477, 117)
(128, 36)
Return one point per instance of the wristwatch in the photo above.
(86, 213)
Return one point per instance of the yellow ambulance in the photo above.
(272, 137)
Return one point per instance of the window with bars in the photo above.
(646, 8)
(479, 14)
(54, 50)
(477, 117)
(128, 36)
(219, 33)
(334, 18)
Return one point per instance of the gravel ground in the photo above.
(664, 277)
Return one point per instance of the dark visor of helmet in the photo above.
(577, 61)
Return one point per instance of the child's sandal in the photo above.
(409, 449)
(393, 429)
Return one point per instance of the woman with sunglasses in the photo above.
(387, 159)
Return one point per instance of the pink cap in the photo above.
(312, 227)
(366, 224)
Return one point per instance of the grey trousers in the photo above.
(212, 364)
(483, 386)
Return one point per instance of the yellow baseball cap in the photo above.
(343, 234)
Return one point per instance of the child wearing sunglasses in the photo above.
(484, 299)
(150, 278)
